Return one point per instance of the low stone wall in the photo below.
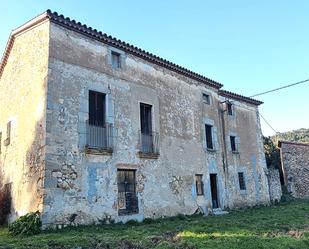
(275, 191)
(295, 165)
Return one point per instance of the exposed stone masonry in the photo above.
(295, 166)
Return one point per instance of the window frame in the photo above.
(199, 184)
(97, 94)
(7, 140)
(207, 100)
(230, 109)
(242, 181)
(118, 64)
(233, 144)
(126, 211)
(143, 119)
(209, 135)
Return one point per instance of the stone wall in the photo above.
(275, 190)
(295, 166)
(23, 103)
(85, 184)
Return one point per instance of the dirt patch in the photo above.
(172, 237)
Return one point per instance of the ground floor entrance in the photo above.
(214, 191)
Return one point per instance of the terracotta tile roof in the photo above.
(112, 41)
(292, 143)
(228, 94)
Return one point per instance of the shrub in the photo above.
(5, 205)
(28, 224)
(132, 222)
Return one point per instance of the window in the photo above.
(233, 143)
(96, 108)
(8, 133)
(241, 178)
(116, 60)
(127, 198)
(209, 143)
(229, 108)
(146, 119)
(199, 184)
(206, 98)
(99, 132)
(146, 139)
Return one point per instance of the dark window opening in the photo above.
(209, 142)
(148, 138)
(229, 109)
(233, 143)
(7, 141)
(199, 184)
(206, 98)
(214, 190)
(146, 119)
(7, 192)
(96, 108)
(99, 132)
(116, 60)
(241, 178)
(127, 198)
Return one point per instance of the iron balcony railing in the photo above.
(100, 136)
(149, 143)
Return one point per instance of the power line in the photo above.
(267, 123)
(282, 87)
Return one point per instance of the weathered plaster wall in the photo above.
(295, 165)
(244, 124)
(275, 190)
(22, 101)
(86, 184)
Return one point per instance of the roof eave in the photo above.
(236, 96)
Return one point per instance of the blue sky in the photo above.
(249, 46)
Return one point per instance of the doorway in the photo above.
(214, 190)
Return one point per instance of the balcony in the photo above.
(100, 138)
(149, 145)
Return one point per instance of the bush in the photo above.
(5, 205)
(28, 224)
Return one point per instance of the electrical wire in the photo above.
(279, 88)
(267, 122)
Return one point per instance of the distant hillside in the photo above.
(300, 135)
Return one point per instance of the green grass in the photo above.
(282, 226)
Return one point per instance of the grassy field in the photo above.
(282, 226)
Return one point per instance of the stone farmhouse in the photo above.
(94, 129)
(295, 167)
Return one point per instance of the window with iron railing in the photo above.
(148, 140)
(149, 143)
(99, 132)
(100, 136)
